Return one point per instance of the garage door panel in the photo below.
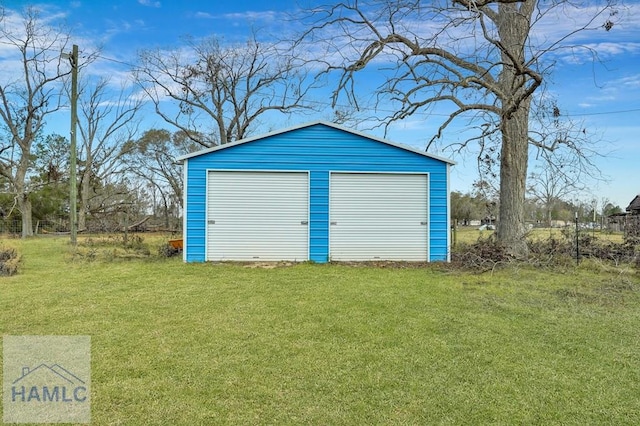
(257, 216)
(378, 216)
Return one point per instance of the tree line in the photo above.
(474, 209)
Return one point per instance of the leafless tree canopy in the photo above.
(29, 92)
(106, 123)
(482, 59)
(150, 159)
(232, 87)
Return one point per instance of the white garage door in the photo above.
(257, 216)
(378, 216)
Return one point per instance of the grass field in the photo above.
(202, 344)
(471, 234)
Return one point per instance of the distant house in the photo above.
(632, 222)
(629, 220)
(315, 192)
(634, 206)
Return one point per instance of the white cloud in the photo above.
(203, 15)
(588, 52)
(632, 82)
(604, 98)
(249, 15)
(252, 16)
(150, 3)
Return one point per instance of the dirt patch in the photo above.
(268, 265)
(390, 264)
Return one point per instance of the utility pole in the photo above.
(73, 190)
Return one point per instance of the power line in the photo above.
(622, 111)
(117, 61)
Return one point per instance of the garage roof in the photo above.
(314, 123)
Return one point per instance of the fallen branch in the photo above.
(137, 224)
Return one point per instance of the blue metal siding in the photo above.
(319, 216)
(317, 149)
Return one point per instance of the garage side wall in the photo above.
(318, 150)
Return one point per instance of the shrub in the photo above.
(483, 255)
(9, 261)
(112, 247)
(167, 250)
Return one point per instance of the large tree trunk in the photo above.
(513, 174)
(24, 205)
(513, 27)
(22, 196)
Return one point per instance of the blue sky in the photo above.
(603, 96)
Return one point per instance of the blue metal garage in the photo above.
(316, 192)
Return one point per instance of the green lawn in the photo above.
(201, 344)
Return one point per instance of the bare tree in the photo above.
(105, 125)
(151, 159)
(215, 94)
(29, 92)
(477, 56)
(550, 185)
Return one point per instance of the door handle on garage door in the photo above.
(423, 223)
(304, 222)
